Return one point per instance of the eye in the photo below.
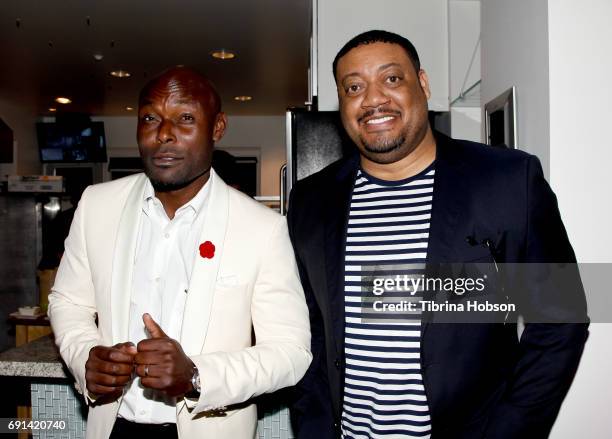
(352, 89)
(393, 79)
(186, 117)
(148, 118)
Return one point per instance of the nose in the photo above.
(165, 132)
(374, 97)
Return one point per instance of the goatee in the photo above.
(384, 145)
(169, 186)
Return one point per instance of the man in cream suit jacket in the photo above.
(167, 276)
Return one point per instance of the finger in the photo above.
(154, 330)
(157, 345)
(105, 380)
(109, 368)
(149, 371)
(113, 355)
(127, 348)
(156, 383)
(152, 357)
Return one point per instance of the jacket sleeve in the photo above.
(311, 411)
(281, 354)
(72, 308)
(556, 321)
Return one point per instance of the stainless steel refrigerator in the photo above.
(315, 139)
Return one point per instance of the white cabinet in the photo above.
(423, 22)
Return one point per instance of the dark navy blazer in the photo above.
(479, 379)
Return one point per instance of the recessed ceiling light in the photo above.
(98, 56)
(52, 110)
(120, 73)
(222, 54)
(62, 100)
(129, 108)
(243, 98)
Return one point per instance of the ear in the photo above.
(220, 126)
(424, 81)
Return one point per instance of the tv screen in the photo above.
(62, 142)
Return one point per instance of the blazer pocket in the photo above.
(478, 254)
(231, 291)
(230, 280)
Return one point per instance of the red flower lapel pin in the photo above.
(207, 250)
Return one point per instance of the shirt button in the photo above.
(143, 412)
(167, 235)
(157, 279)
(337, 363)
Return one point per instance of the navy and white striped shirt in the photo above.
(387, 236)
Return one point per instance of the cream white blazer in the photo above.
(251, 283)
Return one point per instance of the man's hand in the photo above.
(161, 362)
(109, 369)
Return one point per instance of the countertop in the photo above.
(37, 359)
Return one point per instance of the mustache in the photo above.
(164, 149)
(380, 110)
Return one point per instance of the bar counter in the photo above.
(53, 395)
(37, 359)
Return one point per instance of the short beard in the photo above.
(384, 146)
(170, 186)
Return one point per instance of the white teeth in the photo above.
(379, 120)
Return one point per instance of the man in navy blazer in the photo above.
(481, 204)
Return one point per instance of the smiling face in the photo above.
(178, 122)
(383, 101)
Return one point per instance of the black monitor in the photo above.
(82, 141)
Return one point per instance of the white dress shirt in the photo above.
(165, 253)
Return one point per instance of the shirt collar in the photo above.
(196, 204)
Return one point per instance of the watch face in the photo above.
(195, 380)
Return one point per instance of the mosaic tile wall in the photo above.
(60, 401)
(275, 425)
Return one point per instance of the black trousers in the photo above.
(130, 430)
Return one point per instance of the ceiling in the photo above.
(47, 50)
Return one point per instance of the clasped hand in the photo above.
(159, 361)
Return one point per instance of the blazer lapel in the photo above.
(448, 198)
(204, 274)
(123, 261)
(336, 222)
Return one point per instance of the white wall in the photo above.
(120, 132)
(23, 123)
(466, 123)
(515, 52)
(580, 158)
(580, 108)
(463, 36)
(464, 68)
(423, 22)
(553, 51)
(264, 132)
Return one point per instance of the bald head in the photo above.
(179, 121)
(187, 82)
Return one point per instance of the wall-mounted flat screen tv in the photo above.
(71, 142)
